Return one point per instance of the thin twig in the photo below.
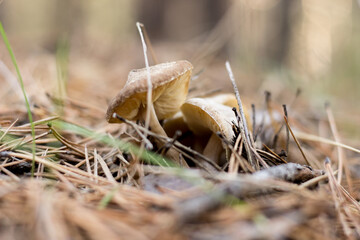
(143, 136)
(147, 40)
(96, 165)
(41, 121)
(341, 156)
(243, 125)
(273, 153)
(87, 160)
(7, 130)
(314, 138)
(106, 170)
(253, 120)
(337, 199)
(316, 180)
(296, 141)
(248, 167)
(149, 84)
(75, 172)
(287, 133)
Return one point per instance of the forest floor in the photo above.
(93, 180)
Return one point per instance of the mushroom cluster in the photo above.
(204, 118)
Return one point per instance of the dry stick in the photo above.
(342, 160)
(50, 151)
(4, 162)
(273, 153)
(12, 163)
(147, 40)
(338, 204)
(95, 165)
(68, 144)
(7, 130)
(41, 121)
(168, 145)
(45, 141)
(87, 160)
(41, 166)
(243, 125)
(149, 145)
(314, 138)
(75, 172)
(264, 164)
(268, 154)
(287, 133)
(296, 141)
(209, 165)
(62, 139)
(26, 130)
(106, 170)
(316, 180)
(248, 166)
(149, 91)
(253, 120)
(237, 147)
(298, 91)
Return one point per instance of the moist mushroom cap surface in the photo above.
(205, 116)
(170, 83)
(229, 99)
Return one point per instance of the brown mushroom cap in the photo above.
(170, 83)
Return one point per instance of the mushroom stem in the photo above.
(213, 148)
(154, 122)
(157, 128)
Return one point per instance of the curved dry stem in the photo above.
(158, 129)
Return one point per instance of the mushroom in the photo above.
(170, 82)
(205, 118)
(177, 122)
(227, 99)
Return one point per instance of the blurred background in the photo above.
(274, 45)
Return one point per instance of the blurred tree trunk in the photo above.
(180, 19)
(285, 13)
(30, 21)
(108, 21)
(43, 22)
(323, 27)
(262, 31)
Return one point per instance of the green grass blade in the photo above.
(62, 60)
(13, 59)
(148, 156)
